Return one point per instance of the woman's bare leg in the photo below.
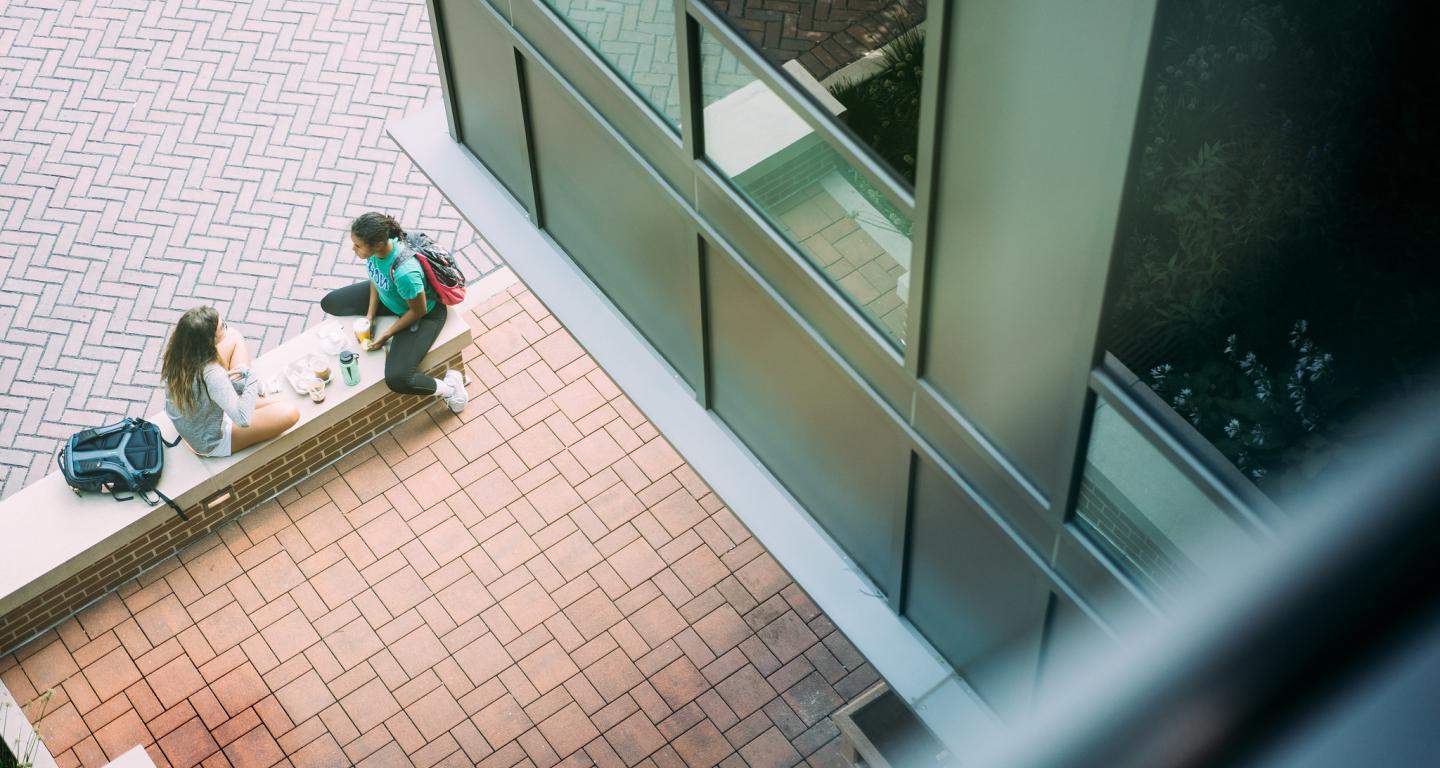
(271, 419)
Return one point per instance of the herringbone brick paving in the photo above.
(538, 581)
(824, 35)
(158, 155)
(637, 38)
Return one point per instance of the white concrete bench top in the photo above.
(51, 533)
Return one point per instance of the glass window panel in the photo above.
(843, 225)
(869, 57)
(1143, 512)
(1276, 272)
(637, 39)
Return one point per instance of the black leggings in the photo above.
(407, 348)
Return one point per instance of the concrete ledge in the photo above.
(52, 536)
(911, 666)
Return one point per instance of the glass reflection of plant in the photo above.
(1284, 170)
(895, 220)
(1226, 174)
(884, 108)
(883, 223)
(1254, 417)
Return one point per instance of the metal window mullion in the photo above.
(442, 61)
(1197, 470)
(1140, 396)
(794, 97)
(900, 531)
(1098, 349)
(687, 60)
(927, 174)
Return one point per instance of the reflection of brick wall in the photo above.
(1118, 527)
(66, 598)
(791, 170)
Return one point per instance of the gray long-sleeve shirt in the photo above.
(216, 396)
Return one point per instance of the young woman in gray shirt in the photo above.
(211, 394)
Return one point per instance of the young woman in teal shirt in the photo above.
(396, 287)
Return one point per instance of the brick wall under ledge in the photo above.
(245, 493)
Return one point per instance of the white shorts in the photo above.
(226, 439)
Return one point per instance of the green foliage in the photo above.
(1226, 175)
(1265, 423)
(897, 218)
(1282, 171)
(884, 110)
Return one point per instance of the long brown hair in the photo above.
(191, 348)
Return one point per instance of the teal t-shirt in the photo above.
(409, 281)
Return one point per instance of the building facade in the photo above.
(987, 367)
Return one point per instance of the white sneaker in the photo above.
(456, 401)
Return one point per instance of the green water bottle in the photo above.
(350, 367)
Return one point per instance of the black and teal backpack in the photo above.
(124, 457)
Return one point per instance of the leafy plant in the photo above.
(1282, 171)
(1255, 416)
(884, 109)
(1227, 178)
(22, 753)
(894, 217)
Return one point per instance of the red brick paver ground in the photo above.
(539, 581)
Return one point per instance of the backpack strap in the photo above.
(172, 504)
(406, 252)
(86, 435)
(410, 253)
(413, 247)
(160, 432)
